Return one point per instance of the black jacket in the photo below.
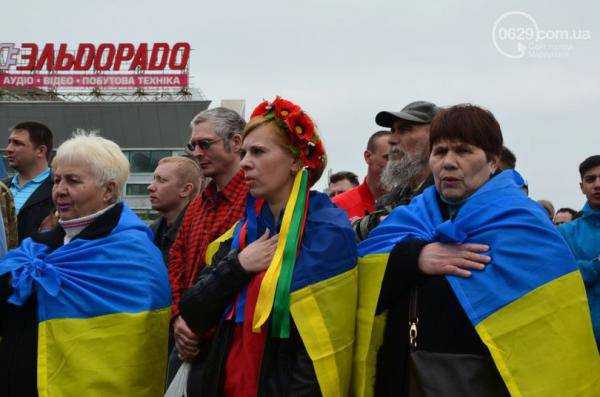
(402, 195)
(286, 368)
(37, 207)
(164, 236)
(443, 325)
(18, 324)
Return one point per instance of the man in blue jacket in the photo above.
(583, 236)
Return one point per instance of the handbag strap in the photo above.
(413, 319)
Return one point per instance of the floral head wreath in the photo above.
(306, 144)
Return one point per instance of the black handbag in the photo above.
(444, 374)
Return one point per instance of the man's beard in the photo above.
(402, 169)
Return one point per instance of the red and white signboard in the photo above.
(116, 81)
(107, 65)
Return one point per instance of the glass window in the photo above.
(140, 161)
(136, 189)
(146, 160)
(156, 155)
(5, 169)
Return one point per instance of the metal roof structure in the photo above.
(130, 124)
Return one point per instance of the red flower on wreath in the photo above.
(262, 108)
(284, 108)
(314, 155)
(301, 126)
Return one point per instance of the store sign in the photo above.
(105, 65)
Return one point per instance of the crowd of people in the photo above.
(436, 275)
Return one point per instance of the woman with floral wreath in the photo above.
(278, 302)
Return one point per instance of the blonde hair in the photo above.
(188, 171)
(280, 129)
(104, 157)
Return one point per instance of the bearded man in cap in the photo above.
(407, 172)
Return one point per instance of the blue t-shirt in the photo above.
(22, 193)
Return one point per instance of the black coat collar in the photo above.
(159, 226)
(100, 227)
(43, 192)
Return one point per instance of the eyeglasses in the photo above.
(203, 144)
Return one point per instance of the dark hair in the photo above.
(588, 164)
(468, 123)
(507, 157)
(374, 137)
(569, 210)
(39, 134)
(340, 176)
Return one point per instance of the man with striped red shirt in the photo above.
(215, 141)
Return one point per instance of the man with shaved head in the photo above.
(176, 183)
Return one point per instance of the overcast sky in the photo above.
(343, 61)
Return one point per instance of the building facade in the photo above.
(146, 131)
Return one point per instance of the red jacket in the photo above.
(207, 217)
(357, 202)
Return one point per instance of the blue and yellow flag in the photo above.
(528, 305)
(323, 287)
(103, 311)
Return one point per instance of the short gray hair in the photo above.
(104, 157)
(225, 122)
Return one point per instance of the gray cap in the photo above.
(418, 112)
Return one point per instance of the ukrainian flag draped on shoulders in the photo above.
(321, 283)
(528, 305)
(103, 311)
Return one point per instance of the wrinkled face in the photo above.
(459, 169)
(395, 153)
(21, 153)
(268, 167)
(167, 191)
(562, 217)
(408, 156)
(590, 186)
(378, 158)
(339, 187)
(76, 192)
(217, 158)
(414, 140)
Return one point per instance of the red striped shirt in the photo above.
(207, 217)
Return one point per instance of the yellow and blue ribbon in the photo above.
(274, 294)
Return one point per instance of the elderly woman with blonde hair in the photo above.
(84, 307)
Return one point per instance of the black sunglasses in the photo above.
(203, 144)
